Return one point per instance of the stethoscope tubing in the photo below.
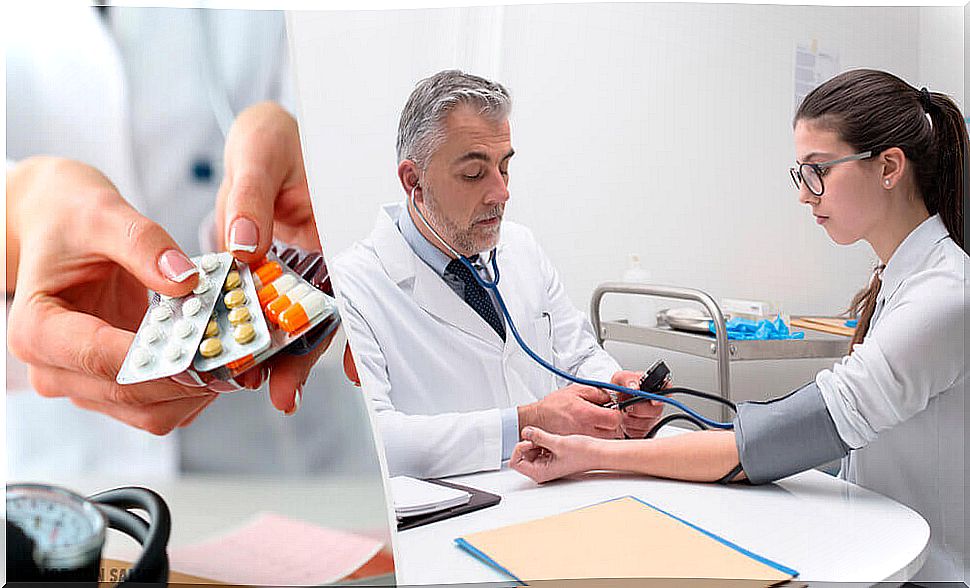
(492, 285)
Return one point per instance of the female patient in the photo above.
(881, 161)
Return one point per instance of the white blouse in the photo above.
(899, 400)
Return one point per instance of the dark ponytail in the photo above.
(951, 139)
(875, 110)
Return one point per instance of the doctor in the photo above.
(881, 161)
(450, 387)
(115, 117)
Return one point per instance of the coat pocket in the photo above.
(543, 336)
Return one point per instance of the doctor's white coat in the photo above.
(437, 375)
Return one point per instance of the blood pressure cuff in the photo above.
(781, 437)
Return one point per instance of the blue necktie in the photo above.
(474, 294)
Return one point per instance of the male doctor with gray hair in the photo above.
(450, 387)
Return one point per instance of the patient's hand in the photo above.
(545, 456)
(639, 418)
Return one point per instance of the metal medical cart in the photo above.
(815, 345)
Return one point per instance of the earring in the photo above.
(887, 183)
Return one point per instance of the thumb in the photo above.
(538, 437)
(145, 249)
(250, 202)
(262, 152)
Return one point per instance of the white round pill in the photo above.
(202, 287)
(210, 263)
(162, 312)
(141, 357)
(173, 352)
(184, 329)
(153, 335)
(192, 307)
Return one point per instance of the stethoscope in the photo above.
(492, 286)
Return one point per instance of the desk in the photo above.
(827, 529)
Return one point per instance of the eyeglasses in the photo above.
(811, 173)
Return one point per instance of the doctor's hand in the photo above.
(264, 194)
(638, 418)
(80, 258)
(545, 456)
(575, 409)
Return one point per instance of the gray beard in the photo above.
(459, 238)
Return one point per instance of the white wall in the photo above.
(663, 130)
(942, 57)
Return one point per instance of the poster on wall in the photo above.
(813, 65)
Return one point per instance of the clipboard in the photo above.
(479, 500)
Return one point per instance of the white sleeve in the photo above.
(286, 92)
(574, 342)
(916, 352)
(423, 446)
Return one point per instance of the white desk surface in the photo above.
(827, 529)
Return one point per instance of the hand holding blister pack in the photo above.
(238, 317)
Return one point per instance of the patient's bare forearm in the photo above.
(703, 456)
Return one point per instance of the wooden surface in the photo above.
(112, 569)
(835, 326)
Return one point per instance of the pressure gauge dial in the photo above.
(67, 530)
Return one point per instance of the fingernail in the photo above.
(243, 235)
(297, 398)
(176, 266)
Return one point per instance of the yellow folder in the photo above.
(622, 538)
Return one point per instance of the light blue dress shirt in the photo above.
(437, 260)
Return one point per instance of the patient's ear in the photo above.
(893, 166)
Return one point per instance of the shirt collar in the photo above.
(911, 253)
(435, 258)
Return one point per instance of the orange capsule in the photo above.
(241, 362)
(275, 308)
(276, 288)
(301, 313)
(266, 273)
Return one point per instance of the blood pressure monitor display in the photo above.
(55, 535)
(67, 531)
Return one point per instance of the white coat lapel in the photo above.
(428, 290)
(512, 297)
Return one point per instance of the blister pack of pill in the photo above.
(172, 328)
(312, 267)
(237, 330)
(291, 306)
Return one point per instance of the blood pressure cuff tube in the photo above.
(781, 437)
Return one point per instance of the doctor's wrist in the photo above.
(528, 416)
